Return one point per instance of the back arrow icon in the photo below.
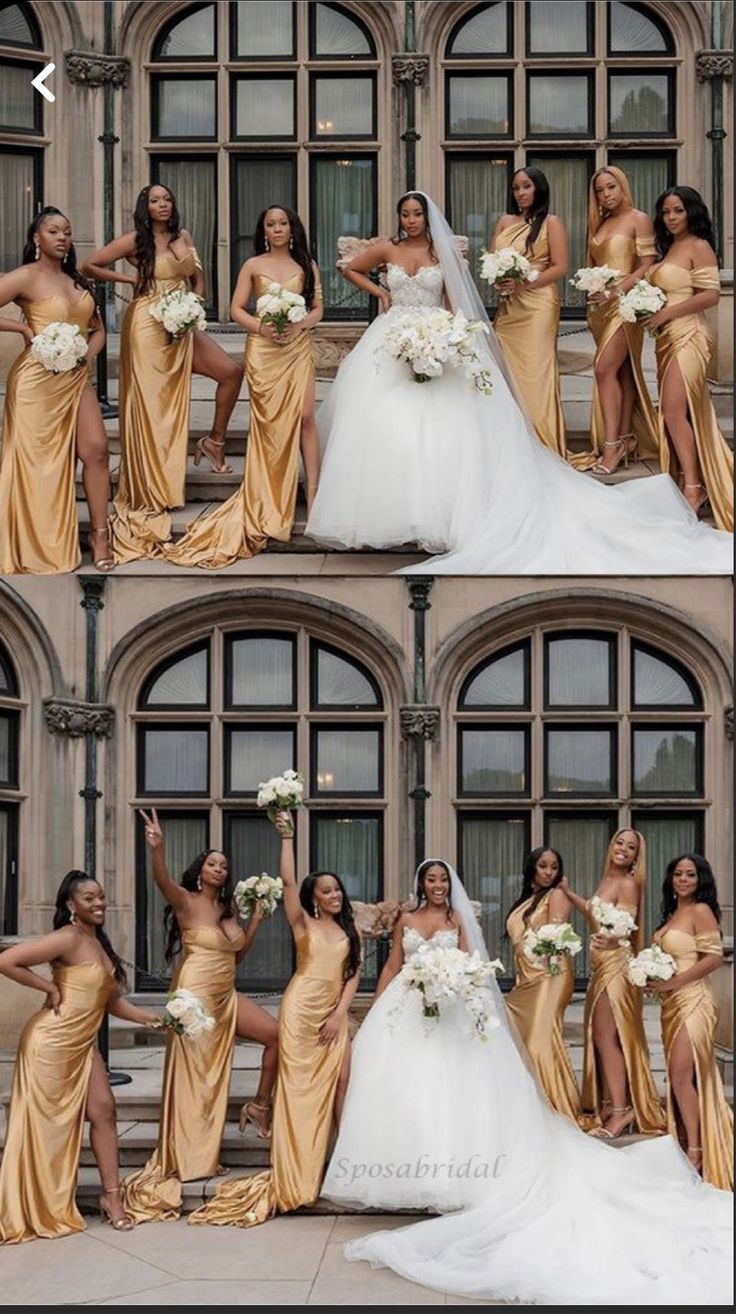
(39, 80)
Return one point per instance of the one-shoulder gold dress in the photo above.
(526, 325)
(196, 1081)
(155, 390)
(39, 534)
(38, 1176)
(537, 1004)
(693, 1007)
(305, 1093)
(264, 505)
(687, 342)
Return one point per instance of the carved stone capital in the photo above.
(728, 721)
(419, 719)
(420, 587)
(72, 719)
(86, 68)
(713, 64)
(408, 67)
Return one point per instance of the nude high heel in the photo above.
(201, 450)
(124, 1224)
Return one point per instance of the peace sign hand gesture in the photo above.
(153, 832)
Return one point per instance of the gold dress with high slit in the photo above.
(624, 253)
(687, 343)
(693, 1007)
(305, 1093)
(526, 325)
(38, 1176)
(39, 534)
(537, 1004)
(264, 505)
(609, 974)
(155, 390)
(196, 1081)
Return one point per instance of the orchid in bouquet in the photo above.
(59, 347)
(281, 793)
(179, 311)
(641, 302)
(551, 943)
(279, 307)
(650, 966)
(432, 340)
(592, 279)
(186, 1015)
(497, 266)
(612, 920)
(258, 892)
(443, 977)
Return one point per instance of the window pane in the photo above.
(337, 34)
(485, 33)
(493, 761)
(558, 105)
(632, 31)
(568, 178)
(15, 28)
(667, 837)
(264, 28)
(579, 672)
(351, 847)
(343, 107)
(17, 198)
(648, 175)
(253, 846)
(343, 205)
(347, 761)
(194, 184)
(658, 683)
(492, 852)
(501, 683)
(579, 761)
(583, 843)
(264, 107)
(5, 763)
(186, 107)
(175, 761)
(341, 683)
(257, 755)
(8, 876)
(476, 197)
(665, 761)
(183, 682)
(192, 36)
(557, 27)
(261, 672)
(639, 103)
(8, 683)
(258, 182)
(185, 838)
(18, 107)
(478, 106)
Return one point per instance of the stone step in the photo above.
(137, 1141)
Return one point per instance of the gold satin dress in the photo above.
(155, 391)
(38, 1176)
(687, 342)
(264, 505)
(609, 973)
(39, 534)
(526, 325)
(305, 1093)
(537, 1004)
(196, 1081)
(623, 253)
(693, 1007)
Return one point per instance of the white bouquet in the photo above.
(641, 302)
(594, 278)
(497, 266)
(281, 793)
(262, 892)
(450, 976)
(179, 312)
(60, 347)
(612, 920)
(651, 965)
(552, 942)
(279, 307)
(185, 1014)
(431, 341)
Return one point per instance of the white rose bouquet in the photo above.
(551, 943)
(279, 307)
(262, 892)
(612, 920)
(186, 1015)
(179, 311)
(641, 302)
(431, 341)
(60, 347)
(497, 266)
(650, 966)
(282, 793)
(449, 976)
(592, 279)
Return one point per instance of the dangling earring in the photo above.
(199, 881)
(291, 243)
(72, 917)
(267, 244)
(315, 909)
(65, 258)
(38, 252)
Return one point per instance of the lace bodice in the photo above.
(412, 940)
(412, 291)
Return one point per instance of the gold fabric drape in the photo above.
(693, 1007)
(305, 1094)
(687, 343)
(264, 505)
(526, 325)
(196, 1081)
(38, 1176)
(537, 1004)
(155, 390)
(604, 321)
(39, 534)
(609, 973)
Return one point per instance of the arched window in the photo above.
(189, 36)
(21, 127)
(216, 719)
(9, 793)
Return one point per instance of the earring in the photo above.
(315, 909)
(268, 244)
(72, 917)
(38, 252)
(291, 243)
(199, 882)
(65, 258)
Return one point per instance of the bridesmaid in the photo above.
(196, 1081)
(279, 369)
(623, 423)
(538, 1001)
(156, 376)
(697, 1113)
(314, 1049)
(528, 315)
(618, 1085)
(688, 274)
(59, 1076)
(51, 419)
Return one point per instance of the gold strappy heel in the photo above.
(262, 1125)
(621, 446)
(602, 1133)
(106, 562)
(201, 450)
(701, 502)
(124, 1224)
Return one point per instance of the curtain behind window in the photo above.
(16, 206)
(194, 184)
(342, 206)
(476, 198)
(492, 861)
(184, 838)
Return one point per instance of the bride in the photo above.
(462, 473)
(551, 1216)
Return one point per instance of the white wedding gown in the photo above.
(461, 473)
(557, 1217)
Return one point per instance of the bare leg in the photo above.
(254, 1023)
(628, 396)
(103, 1135)
(309, 441)
(676, 416)
(342, 1085)
(610, 1058)
(214, 363)
(685, 1093)
(92, 450)
(614, 400)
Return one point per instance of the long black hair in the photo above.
(420, 892)
(698, 218)
(540, 204)
(421, 200)
(527, 881)
(298, 247)
(63, 917)
(344, 918)
(145, 244)
(190, 881)
(69, 263)
(705, 891)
